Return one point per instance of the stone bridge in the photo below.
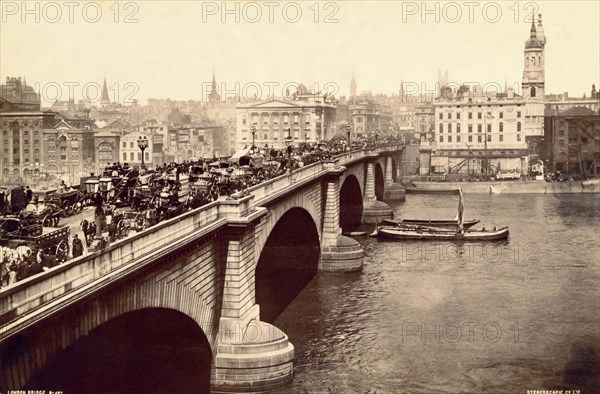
(199, 291)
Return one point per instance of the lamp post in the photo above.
(253, 135)
(142, 143)
(289, 142)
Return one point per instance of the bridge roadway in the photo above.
(228, 267)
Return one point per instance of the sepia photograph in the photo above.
(299, 197)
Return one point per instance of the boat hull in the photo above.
(418, 190)
(448, 224)
(441, 235)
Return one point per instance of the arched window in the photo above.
(526, 61)
(501, 127)
(458, 127)
(441, 128)
(518, 126)
(533, 61)
(449, 127)
(533, 91)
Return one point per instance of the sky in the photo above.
(160, 49)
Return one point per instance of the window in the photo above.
(470, 138)
(449, 127)
(458, 115)
(449, 138)
(533, 89)
(489, 128)
(441, 138)
(478, 138)
(501, 115)
(479, 128)
(518, 126)
(449, 115)
(139, 156)
(518, 114)
(131, 156)
(458, 127)
(489, 138)
(244, 121)
(518, 137)
(441, 115)
(470, 115)
(478, 115)
(501, 126)
(441, 128)
(500, 138)
(458, 138)
(470, 128)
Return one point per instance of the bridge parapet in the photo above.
(35, 298)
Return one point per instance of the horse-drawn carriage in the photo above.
(70, 202)
(48, 214)
(20, 236)
(117, 224)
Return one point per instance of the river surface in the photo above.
(421, 317)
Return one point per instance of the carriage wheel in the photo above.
(47, 221)
(126, 226)
(76, 208)
(62, 251)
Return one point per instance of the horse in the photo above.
(89, 231)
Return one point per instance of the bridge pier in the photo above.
(373, 210)
(393, 191)
(338, 252)
(251, 356)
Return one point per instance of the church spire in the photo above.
(214, 95)
(214, 82)
(353, 87)
(105, 99)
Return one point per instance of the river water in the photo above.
(510, 316)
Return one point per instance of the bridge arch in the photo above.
(288, 260)
(351, 204)
(379, 182)
(145, 350)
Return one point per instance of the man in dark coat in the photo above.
(77, 246)
(28, 194)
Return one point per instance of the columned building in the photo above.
(306, 118)
(22, 141)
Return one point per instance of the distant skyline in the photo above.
(172, 49)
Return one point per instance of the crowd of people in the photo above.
(209, 180)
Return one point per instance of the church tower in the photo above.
(533, 84)
(353, 87)
(105, 100)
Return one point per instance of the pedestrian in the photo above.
(28, 194)
(77, 246)
(12, 274)
(2, 197)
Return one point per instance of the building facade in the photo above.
(572, 142)
(106, 144)
(131, 153)
(307, 118)
(22, 138)
(68, 152)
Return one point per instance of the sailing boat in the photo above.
(419, 232)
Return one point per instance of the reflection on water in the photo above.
(453, 318)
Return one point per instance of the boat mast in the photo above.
(461, 211)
